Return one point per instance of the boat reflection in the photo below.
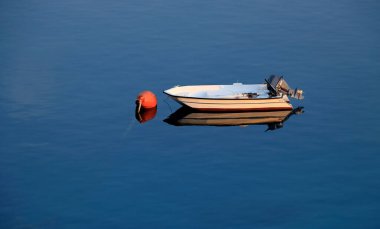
(189, 117)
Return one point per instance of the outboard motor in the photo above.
(277, 85)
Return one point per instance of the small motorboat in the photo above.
(185, 116)
(272, 95)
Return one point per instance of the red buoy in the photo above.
(146, 99)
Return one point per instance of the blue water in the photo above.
(72, 154)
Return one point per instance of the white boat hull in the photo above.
(235, 97)
(234, 104)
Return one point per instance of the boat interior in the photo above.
(274, 86)
(234, 91)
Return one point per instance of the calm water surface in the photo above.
(72, 154)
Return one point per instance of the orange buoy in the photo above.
(146, 99)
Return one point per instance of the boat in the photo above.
(272, 95)
(185, 116)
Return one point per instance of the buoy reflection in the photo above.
(143, 115)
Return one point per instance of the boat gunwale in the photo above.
(203, 98)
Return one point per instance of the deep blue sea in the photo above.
(73, 156)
